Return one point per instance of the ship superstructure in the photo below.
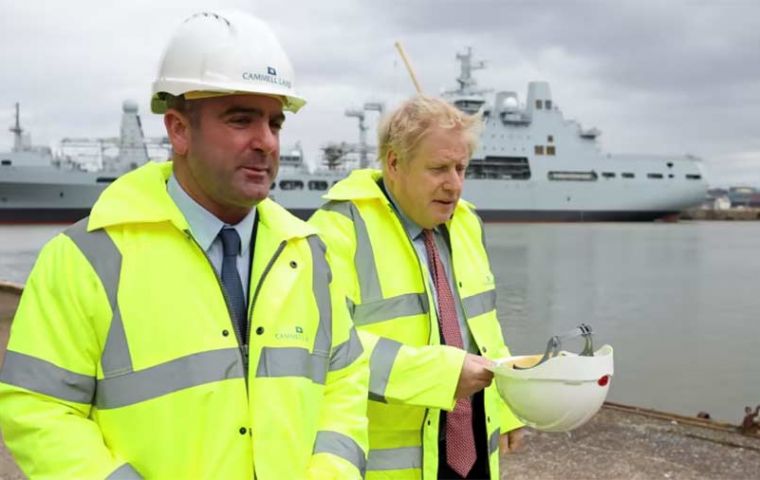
(535, 165)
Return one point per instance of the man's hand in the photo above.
(511, 442)
(474, 377)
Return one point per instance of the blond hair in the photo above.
(401, 130)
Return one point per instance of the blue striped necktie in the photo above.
(231, 280)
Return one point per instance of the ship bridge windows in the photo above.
(655, 176)
(608, 174)
(693, 176)
(627, 175)
(573, 176)
(538, 149)
(470, 105)
(317, 185)
(548, 104)
(5, 163)
(493, 167)
(291, 185)
(539, 104)
(551, 150)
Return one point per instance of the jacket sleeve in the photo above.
(424, 376)
(48, 378)
(413, 375)
(340, 450)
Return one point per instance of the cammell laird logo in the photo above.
(269, 77)
(295, 334)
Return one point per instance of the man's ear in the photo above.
(178, 128)
(392, 162)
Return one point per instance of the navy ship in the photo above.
(532, 165)
(37, 186)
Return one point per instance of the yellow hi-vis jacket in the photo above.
(412, 376)
(123, 361)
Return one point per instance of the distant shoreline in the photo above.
(730, 214)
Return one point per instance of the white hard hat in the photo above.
(558, 391)
(225, 53)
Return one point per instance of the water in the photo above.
(19, 245)
(678, 302)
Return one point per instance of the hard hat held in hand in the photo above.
(558, 391)
(228, 52)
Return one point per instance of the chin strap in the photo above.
(555, 343)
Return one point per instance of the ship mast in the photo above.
(18, 141)
(466, 81)
(359, 113)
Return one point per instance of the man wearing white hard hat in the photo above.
(417, 273)
(190, 327)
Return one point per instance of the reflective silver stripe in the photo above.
(493, 441)
(292, 362)
(43, 377)
(125, 472)
(347, 352)
(342, 446)
(479, 304)
(380, 366)
(394, 458)
(321, 279)
(399, 306)
(364, 258)
(185, 372)
(105, 259)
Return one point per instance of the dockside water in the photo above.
(679, 302)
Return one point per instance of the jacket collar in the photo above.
(363, 185)
(140, 196)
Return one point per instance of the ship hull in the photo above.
(43, 197)
(71, 215)
(42, 215)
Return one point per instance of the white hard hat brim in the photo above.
(158, 104)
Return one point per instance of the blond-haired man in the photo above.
(412, 256)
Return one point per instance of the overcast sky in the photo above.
(662, 77)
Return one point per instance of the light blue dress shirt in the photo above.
(205, 228)
(418, 241)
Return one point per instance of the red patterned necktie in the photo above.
(460, 439)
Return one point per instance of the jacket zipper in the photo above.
(242, 347)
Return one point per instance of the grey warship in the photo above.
(39, 187)
(535, 165)
(532, 165)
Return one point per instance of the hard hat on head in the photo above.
(558, 391)
(227, 52)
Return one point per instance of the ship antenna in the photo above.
(408, 67)
(17, 131)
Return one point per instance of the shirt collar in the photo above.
(204, 225)
(410, 225)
